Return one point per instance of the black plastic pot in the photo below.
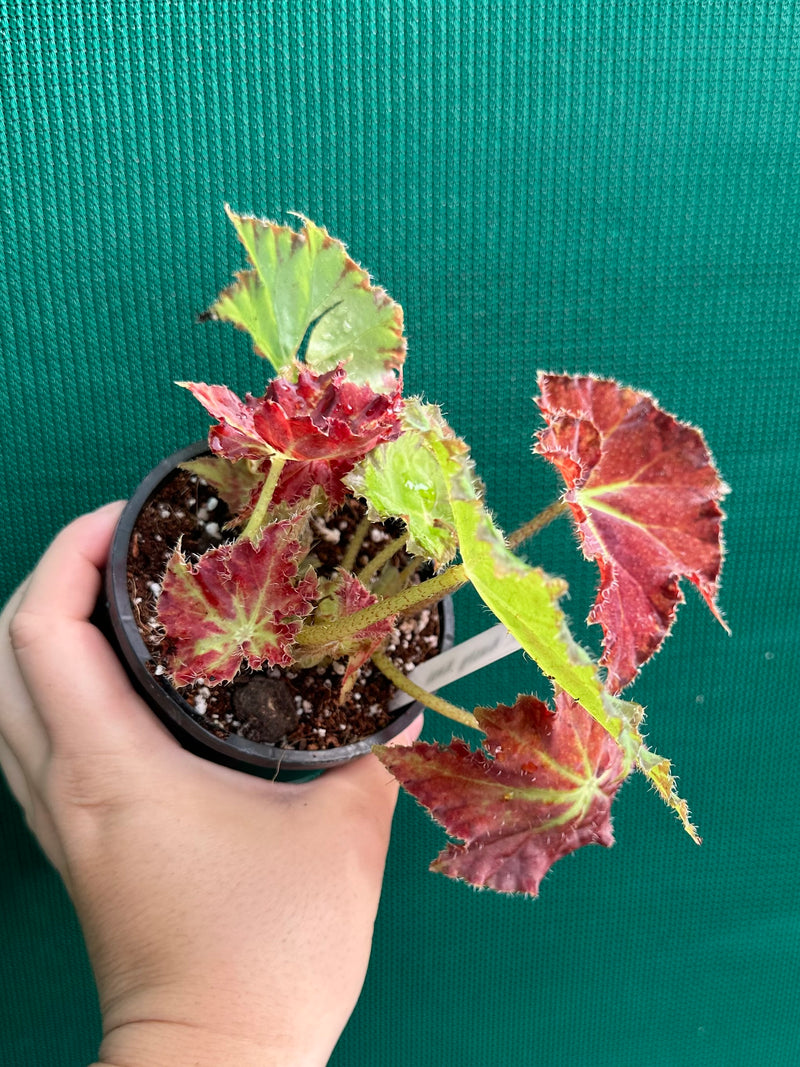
(233, 751)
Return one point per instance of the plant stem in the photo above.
(430, 700)
(409, 570)
(367, 573)
(400, 579)
(537, 523)
(256, 520)
(348, 560)
(400, 603)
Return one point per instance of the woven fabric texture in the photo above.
(610, 187)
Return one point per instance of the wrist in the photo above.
(157, 1043)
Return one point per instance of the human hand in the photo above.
(228, 919)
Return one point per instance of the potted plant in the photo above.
(324, 519)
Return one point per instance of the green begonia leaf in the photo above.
(303, 289)
(412, 478)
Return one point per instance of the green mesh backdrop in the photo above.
(598, 186)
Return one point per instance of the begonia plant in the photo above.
(640, 489)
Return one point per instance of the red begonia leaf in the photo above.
(318, 417)
(352, 596)
(320, 425)
(234, 437)
(644, 492)
(241, 603)
(326, 416)
(541, 787)
(300, 478)
(343, 595)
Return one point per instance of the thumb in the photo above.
(366, 781)
(411, 732)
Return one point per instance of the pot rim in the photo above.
(167, 702)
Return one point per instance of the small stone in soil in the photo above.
(269, 704)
